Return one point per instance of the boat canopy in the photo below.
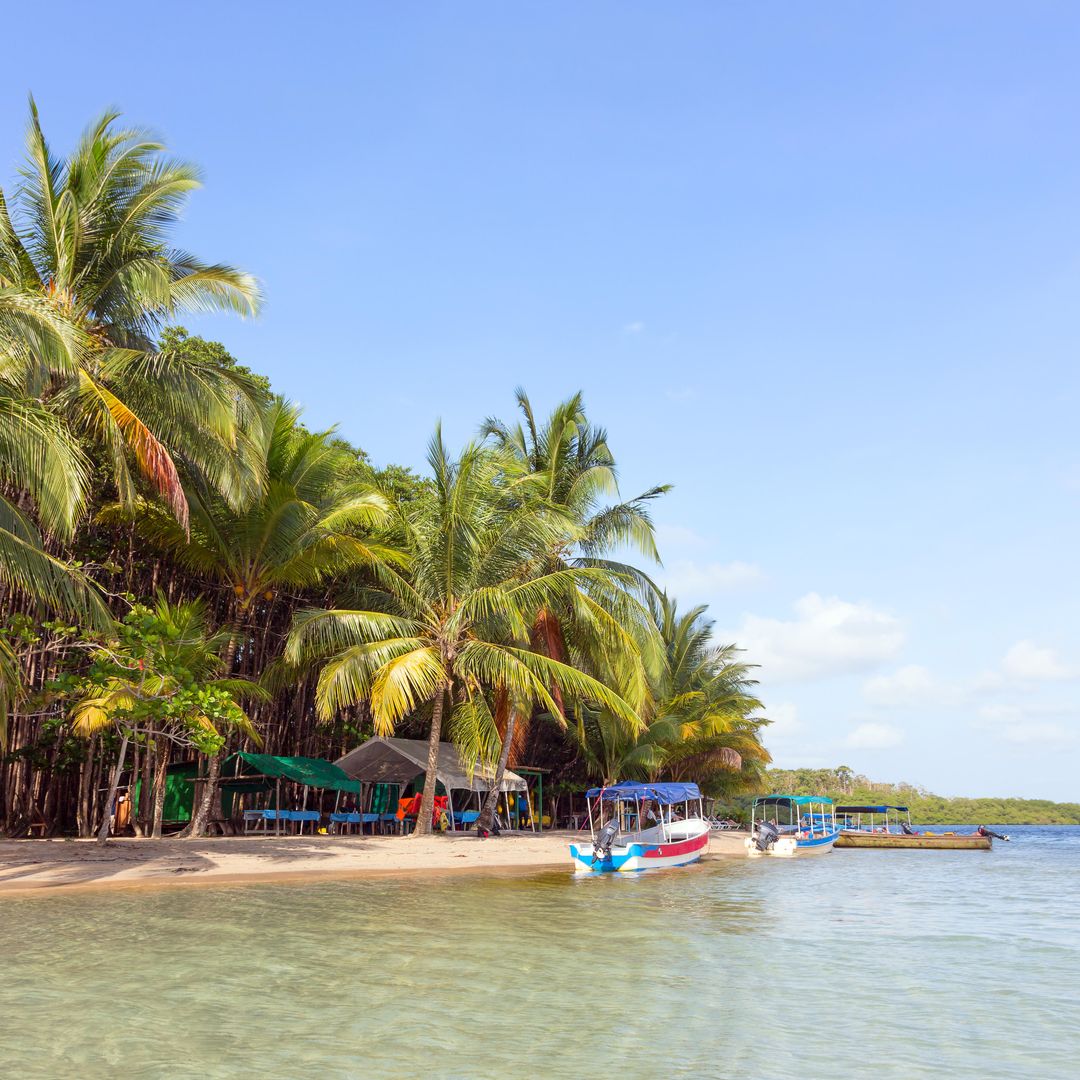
(793, 800)
(870, 809)
(664, 794)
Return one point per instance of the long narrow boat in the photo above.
(809, 828)
(863, 826)
(621, 845)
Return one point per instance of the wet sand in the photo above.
(60, 865)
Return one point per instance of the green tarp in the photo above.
(314, 772)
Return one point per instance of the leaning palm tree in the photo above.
(87, 238)
(305, 526)
(456, 630)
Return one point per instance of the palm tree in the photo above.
(87, 241)
(568, 464)
(703, 721)
(306, 525)
(457, 630)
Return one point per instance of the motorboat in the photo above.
(880, 826)
(785, 826)
(638, 826)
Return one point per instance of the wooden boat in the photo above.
(621, 845)
(887, 827)
(809, 828)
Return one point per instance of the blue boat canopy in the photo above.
(664, 794)
(793, 800)
(869, 809)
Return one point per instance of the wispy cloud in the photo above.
(1029, 662)
(684, 393)
(696, 582)
(827, 636)
(875, 736)
(634, 328)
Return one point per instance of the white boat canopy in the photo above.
(383, 760)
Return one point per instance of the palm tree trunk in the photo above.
(487, 815)
(103, 832)
(427, 803)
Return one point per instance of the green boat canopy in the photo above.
(314, 772)
(792, 800)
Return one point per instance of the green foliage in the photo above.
(156, 675)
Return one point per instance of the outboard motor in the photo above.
(602, 845)
(766, 835)
(982, 830)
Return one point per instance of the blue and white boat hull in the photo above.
(789, 846)
(685, 843)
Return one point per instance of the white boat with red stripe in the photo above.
(675, 833)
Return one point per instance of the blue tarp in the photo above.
(664, 794)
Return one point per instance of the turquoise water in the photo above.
(850, 965)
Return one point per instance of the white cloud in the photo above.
(910, 685)
(678, 536)
(873, 736)
(1046, 736)
(1038, 724)
(1029, 662)
(785, 722)
(695, 582)
(634, 328)
(828, 636)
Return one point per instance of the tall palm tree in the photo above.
(456, 631)
(568, 464)
(305, 525)
(87, 238)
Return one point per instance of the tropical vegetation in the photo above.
(187, 570)
(845, 785)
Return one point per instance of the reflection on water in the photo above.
(890, 964)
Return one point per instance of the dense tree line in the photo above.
(845, 786)
(186, 569)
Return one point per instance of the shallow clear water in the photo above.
(854, 964)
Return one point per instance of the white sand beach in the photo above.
(54, 865)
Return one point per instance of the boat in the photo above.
(809, 828)
(619, 844)
(863, 826)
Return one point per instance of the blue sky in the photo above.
(816, 265)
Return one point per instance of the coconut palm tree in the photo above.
(87, 240)
(568, 464)
(306, 525)
(456, 630)
(703, 722)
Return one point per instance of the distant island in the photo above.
(845, 786)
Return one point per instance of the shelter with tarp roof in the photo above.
(384, 763)
(245, 774)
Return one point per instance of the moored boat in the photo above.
(881, 826)
(621, 845)
(809, 828)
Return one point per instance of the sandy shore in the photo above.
(60, 865)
